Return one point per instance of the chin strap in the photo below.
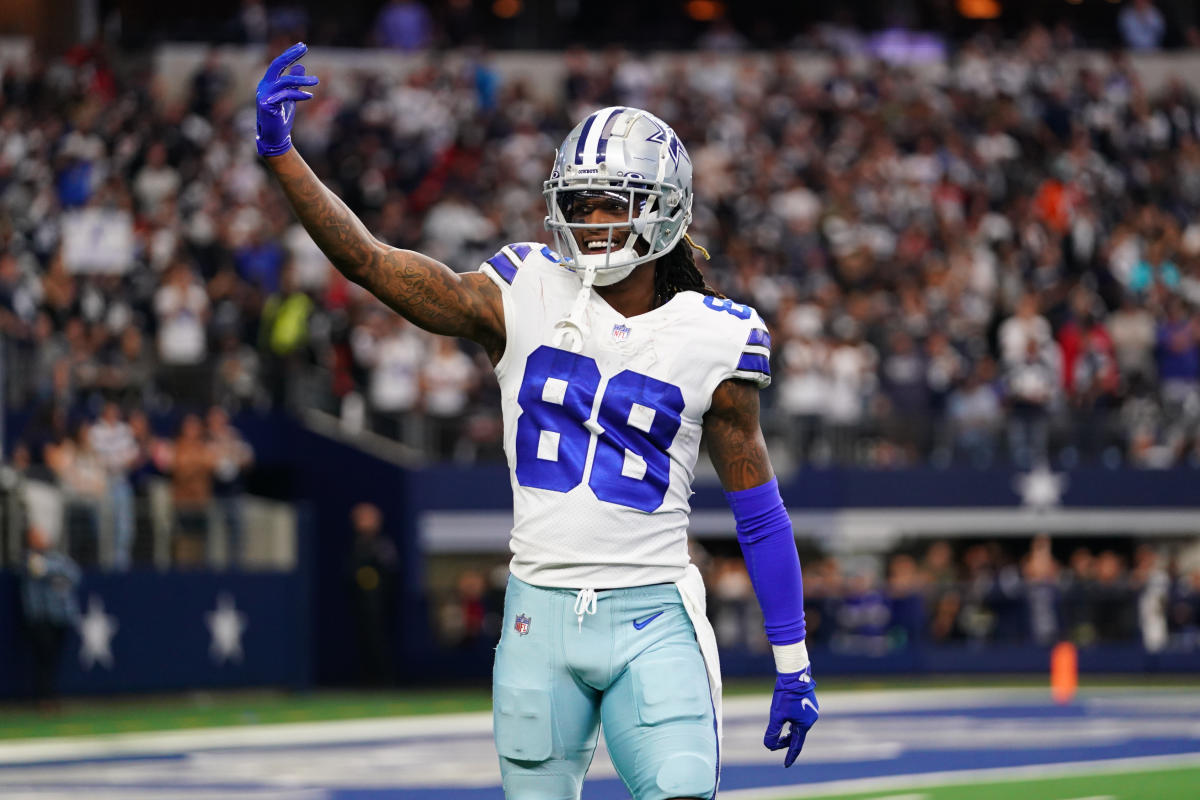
(571, 330)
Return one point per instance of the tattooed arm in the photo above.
(764, 532)
(422, 290)
(735, 440)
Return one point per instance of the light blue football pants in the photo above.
(633, 667)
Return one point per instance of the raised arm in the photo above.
(421, 289)
(764, 531)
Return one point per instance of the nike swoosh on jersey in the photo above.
(646, 621)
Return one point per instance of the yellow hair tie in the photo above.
(688, 238)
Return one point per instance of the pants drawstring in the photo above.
(585, 603)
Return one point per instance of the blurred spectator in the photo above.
(237, 380)
(947, 240)
(1079, 591)
(1153, 587)
(1089, 372)
(906, 600)
(50, 610)
(149, 452)
(1141, 24)
(232, 457)
(403, 25)
(1043, 594)
(285, 335)
(448, 378)
(944, 599)
(393, 351)
(976, 414)
(157, 181)
(1031, 387)
(372, 571)
(733, 605)
(464, 619)
(182, 308)
(83, 478)
(191, 463)
(863, 616)
(1155, 273)
(903, 380)
(1133, 333)
(117, 450)
(127, 371)
(1179, 361)
(1025, 327)
(251, 22)
(1113, 610)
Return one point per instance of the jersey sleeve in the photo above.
(504, 266)
(754, 359)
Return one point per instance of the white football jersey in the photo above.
(602, 444)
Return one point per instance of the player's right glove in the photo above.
(794, 704)
(276, 98)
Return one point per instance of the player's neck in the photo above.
(633, 294)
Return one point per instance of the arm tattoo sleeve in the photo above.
(422, 290)
(735, 440)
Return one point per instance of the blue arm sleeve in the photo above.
(769, 548)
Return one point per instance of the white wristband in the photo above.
(790, 657)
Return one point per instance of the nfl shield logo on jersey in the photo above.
(522, 626)
(620, 332)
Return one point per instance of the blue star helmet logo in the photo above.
(674, 146)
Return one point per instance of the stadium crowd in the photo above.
(974, 592)
(999, 264)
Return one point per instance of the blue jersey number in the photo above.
(639, 416)
(725, 304)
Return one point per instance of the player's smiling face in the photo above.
(599, 210)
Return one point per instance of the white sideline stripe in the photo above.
(278, 734)
(924, 780)
(71, 748)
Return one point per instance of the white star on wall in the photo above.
(96, 630)
(1041, 489)
(226, 625)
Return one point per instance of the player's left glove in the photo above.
(276, 99)
(794, 704)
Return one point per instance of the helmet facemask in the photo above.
(633, 157)
(634, 160)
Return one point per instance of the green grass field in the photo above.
(1164, 784)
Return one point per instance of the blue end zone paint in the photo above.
(913, 760)
(917, 762)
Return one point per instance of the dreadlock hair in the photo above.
(676, 272)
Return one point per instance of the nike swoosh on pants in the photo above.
(646, 621)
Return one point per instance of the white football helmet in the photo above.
(633, 157)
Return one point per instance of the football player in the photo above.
(612, 358)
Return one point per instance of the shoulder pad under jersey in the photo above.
(503, 266)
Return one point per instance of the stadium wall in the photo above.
(299, 625)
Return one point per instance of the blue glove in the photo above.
(276, 98)
(795, 703)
